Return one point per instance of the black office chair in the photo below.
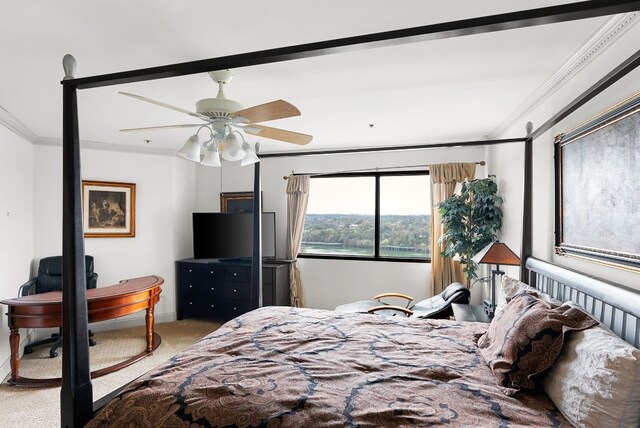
(438, 306)
(50, 279)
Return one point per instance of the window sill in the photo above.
(361, 258)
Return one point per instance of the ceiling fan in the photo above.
(224, 118)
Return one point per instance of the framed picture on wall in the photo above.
(108, 209)
(598, 188)
(236, 202)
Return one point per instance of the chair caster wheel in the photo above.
(28, 350)
(92, 342)
(53, 354)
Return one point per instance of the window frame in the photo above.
(376, 250)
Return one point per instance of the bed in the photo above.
(278, 366)
(364, 394)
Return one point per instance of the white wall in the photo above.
(543, 170)
(330, 283)
(165, 196)
(16, 226)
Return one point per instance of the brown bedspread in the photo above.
(310, 368)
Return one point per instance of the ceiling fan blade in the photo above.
(278, 134)
(157, 128)
(161, 104)
(270, 111)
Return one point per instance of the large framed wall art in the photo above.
(108, 209)
(598, 188)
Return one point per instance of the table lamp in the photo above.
(499, 254)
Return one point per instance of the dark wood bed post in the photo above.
(76, 395)
(527, 203)
(256, 263)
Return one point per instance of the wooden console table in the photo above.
(104, 303)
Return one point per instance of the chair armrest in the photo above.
(93, 281)
(405, 311)
(25, 289)
(403, 296)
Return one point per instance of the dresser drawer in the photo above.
(237, 273)
(196, 273)
(234, 291)
(231, 308)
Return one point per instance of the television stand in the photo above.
(221, 288)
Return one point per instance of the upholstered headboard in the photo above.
(615, 306)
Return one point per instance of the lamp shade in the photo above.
(496, 253)
(250, 157)
(232, 150)
(211, 157)
(191, 149)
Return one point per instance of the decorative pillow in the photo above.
(511, 287)
(525, 339)
(595, 381)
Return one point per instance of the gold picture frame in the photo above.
(108, 209)
(236, 202)
(597, 188)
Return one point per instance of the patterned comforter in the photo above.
(277, 367)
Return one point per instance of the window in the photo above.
(378, 216)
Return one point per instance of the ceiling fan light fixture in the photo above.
(232, 149)
(251, 129)
(251, 156)
(191, 149)
(212, 157)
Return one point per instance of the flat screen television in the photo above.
(230, 235)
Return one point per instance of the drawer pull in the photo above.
(212, 272)
(191, 303)
(235, 291)
(235, 309)
(190, 270)
(235, 274)
(213, 306)
(212, 288)
(190, 286)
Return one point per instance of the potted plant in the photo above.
(471, 220)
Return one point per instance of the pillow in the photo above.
(511, 287)
(525, 339)
(595, 381)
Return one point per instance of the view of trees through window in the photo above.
(341, 214)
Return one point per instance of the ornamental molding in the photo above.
(17, 127)
(598, 43)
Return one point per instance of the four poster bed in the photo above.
(302, 367)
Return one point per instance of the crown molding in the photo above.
(17, 127)
(109, 147)
(598, 43)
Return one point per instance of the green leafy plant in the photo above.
(471, 220)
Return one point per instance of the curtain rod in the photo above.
(319, 174)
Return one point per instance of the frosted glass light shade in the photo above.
(212, 157)
(250, 157)
(191, 149)
(232, 150)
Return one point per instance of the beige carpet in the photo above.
(40, 407)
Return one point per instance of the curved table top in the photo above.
(45, 310)
(124, 288)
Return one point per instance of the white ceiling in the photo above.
(447, 90)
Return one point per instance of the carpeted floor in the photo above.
(40, 407)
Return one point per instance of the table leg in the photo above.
(14, 343)
(149, 320)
